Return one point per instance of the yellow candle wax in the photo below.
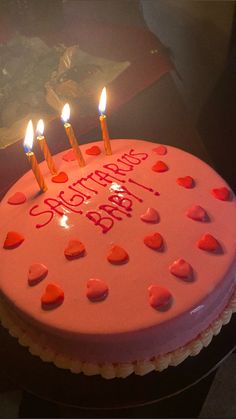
(105, 135)
(36, 170)
(47, 155)
(44, 147)
(74, 144)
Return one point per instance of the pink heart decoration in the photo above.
(154, 241)
(197, 213)
(97, 290)
(37, 272)
(209, 243)
(223, 194)
(17, 199)
(150, 216)
(159, 297)
(93, 151)
(187, 182)
(13, 239)
(74, 249)
(181, 269)
(161, 150)
(160, 166)
(60, 178)
(69, 156)
(117, 255)
(52, 297)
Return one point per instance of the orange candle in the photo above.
(28, 144)
(71, 135)
(44, 147)
(105, 134)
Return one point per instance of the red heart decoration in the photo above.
(154, 241)
(160, 167)
(97, 290)
(150, 216)
(197, 213)
(93, 151)
(159, 297)
(74, 250)
(37, 272)
(17, 199)
(161, 150)
(221, 193)
(181, 269)
(69, 156)
(208, 243)
(13, 240)
(117, 255)
(186, 182)
(60, 178)
(52, 296)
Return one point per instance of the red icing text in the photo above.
(120, 198)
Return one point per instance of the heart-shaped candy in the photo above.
(221, 193)
(161, 150)
(186, 182)
(181, 269)
(117, 255)
(150, 216)
(159, 297)
(197, 213)
(93, 151)
(60, 178)
(209, 243)
(97, 290)
(17, 199)
(52, 297)
(74, 249)
(37, 272)
(154, 241)
(13, 240)
(160, 167)
(69, 156)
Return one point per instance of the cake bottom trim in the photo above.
(25, 335)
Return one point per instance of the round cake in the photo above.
(125, 265)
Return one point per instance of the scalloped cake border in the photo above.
(26, 334)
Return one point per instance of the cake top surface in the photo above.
(152, 224)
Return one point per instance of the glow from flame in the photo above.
(40, 127)
(115, 187)
(103, 101)
(29, 137)
(65, 115)
(63, 221)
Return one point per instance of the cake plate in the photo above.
(61, 386)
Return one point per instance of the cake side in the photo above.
(38, 345)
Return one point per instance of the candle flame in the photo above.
(29, 137)
(65, 115)
(40, 127)
(103, 101)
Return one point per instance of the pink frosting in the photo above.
(123, 327)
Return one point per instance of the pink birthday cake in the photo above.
(125, 265)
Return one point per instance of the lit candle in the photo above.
(44, 147)
(105, 134)
(71, 135)
(28, 144)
